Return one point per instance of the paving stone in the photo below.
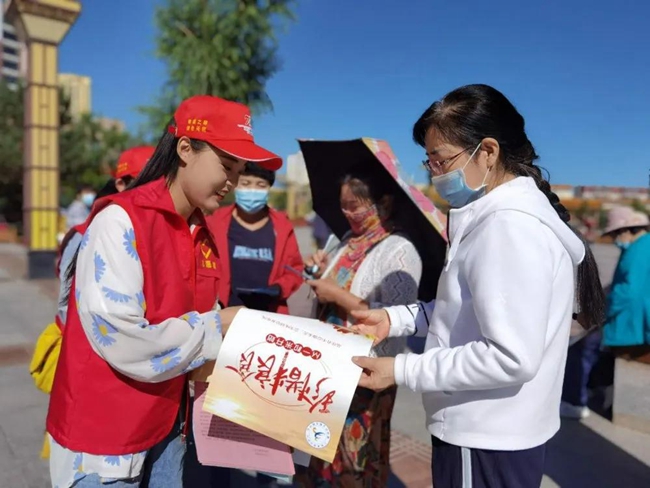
(593, 453)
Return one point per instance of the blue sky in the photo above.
(578, 71)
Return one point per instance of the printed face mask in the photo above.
(361, 222)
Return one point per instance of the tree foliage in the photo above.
(226, 48)
(11, 134)
(278, 200)
(639, 206)
(87, 151)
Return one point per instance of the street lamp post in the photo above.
(41, 25)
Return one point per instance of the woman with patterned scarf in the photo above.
(374, 266)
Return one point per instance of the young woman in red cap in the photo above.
(131, 163)
(143, 306)
(48, 345)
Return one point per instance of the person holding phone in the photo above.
(374, 265)
(260, 259)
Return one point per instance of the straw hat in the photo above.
(624, 218)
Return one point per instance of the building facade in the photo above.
(12, 54)
(605, 194)
(78, 89)
(297, 170)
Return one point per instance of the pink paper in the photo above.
(220, 442)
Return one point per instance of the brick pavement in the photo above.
(22, 413)
(25, 308)
(410, 460)
(591, 453)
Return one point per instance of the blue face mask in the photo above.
(622, 245)
(453, 188)
(251, 201)
(88, 199)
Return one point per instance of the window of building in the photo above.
(10, 80)
(10, 50)
(10, 35)
(10, 64)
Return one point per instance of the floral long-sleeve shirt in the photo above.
(111, 307)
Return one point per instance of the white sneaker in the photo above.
(575, 412)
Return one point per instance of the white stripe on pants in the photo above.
(466, 456)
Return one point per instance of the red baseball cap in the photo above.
(224, 124)
(133, 160)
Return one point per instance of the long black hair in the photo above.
(165, 160)
(109, 188)
(163, 163)
(471, 113)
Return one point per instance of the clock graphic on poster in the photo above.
(317, 435)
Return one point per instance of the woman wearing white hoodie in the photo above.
(498, 332)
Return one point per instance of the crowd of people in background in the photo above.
(589, 375)
(153, 270)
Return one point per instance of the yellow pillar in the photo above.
(42, 25)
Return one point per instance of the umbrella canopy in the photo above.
(414, 214)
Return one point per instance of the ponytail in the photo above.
(471, 113)
(591, 297)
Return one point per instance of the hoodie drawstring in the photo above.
(457, 238)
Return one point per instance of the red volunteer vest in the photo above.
(93, 408)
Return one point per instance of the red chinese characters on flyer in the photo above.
(289, 378)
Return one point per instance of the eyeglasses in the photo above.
(436, 167)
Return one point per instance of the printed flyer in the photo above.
(220, 442)
(289, 378)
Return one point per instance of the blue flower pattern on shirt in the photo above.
(84, 240)
(192, 318)
(130, 245)
(112, 460)
(197, 363)
(100, 267)
(141, 301)
(103, 331)
(166, 360)
(81, 465)
(115, 296)
(217, 321)
(116, 460)
(106, 334)
(78, 467)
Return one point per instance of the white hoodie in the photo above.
(498, 335)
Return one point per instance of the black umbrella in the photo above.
(414, 214)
